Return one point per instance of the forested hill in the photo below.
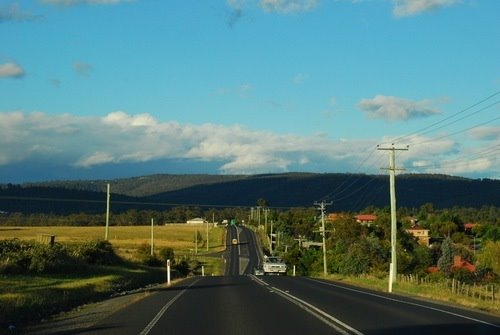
(348, 192)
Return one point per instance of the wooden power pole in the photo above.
(393, 270)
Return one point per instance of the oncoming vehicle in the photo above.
(274, 265)
(258, 271)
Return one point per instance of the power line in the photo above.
(427, 129)
(348, 180)
(346, 185)
(493, 152)
(457, 132)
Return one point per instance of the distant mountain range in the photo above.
(348, 192)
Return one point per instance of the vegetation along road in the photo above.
(241, 303)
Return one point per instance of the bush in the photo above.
(464, 276)
(14, 257)
(166, 254)
(356, 261)
(183, 267)
(144, 256)
(22, 257)
(96, 252)
(308, 262)
(50, 259)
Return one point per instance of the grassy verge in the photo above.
(27, 299)
(437, 291)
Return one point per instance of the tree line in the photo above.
(352, 248)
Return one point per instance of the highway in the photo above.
(241, 303)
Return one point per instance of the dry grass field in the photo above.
(126, 239)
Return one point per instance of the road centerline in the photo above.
(162, 311)
(323, 316)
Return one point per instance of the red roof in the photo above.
(417, 227)
(469, 225)
(366, 217)
(458, 263)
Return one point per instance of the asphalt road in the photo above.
(244, 256)
(240, 303)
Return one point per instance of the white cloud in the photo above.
(445, 156)
(11, 70)
(96, 158)
(404, 8)
(15, 13)
(11, 127)
(401, 8)
(394, 108)
(288, 6)
(485, 133)
(124, 138)
(465, 167)
(124, 120)
(121, 138)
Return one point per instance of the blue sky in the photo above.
(99, 89)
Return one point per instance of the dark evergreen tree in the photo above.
(445, 262)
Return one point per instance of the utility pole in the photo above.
(393, 270)
(106, 233)
(300, 239)
(271, 239)
(152, 238)
(265, 219)
(196, 241)
(258, 215)
(322, 207)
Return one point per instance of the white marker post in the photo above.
(168, 272)
(391, 269)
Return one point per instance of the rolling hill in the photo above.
(349, 192)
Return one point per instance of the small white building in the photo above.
(196, 221)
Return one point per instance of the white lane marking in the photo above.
(331, 321)
(162, 311)
(407, 302)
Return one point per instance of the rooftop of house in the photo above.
(366, 217)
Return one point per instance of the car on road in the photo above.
(274, 266)
(258, 271)
(234, 241)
